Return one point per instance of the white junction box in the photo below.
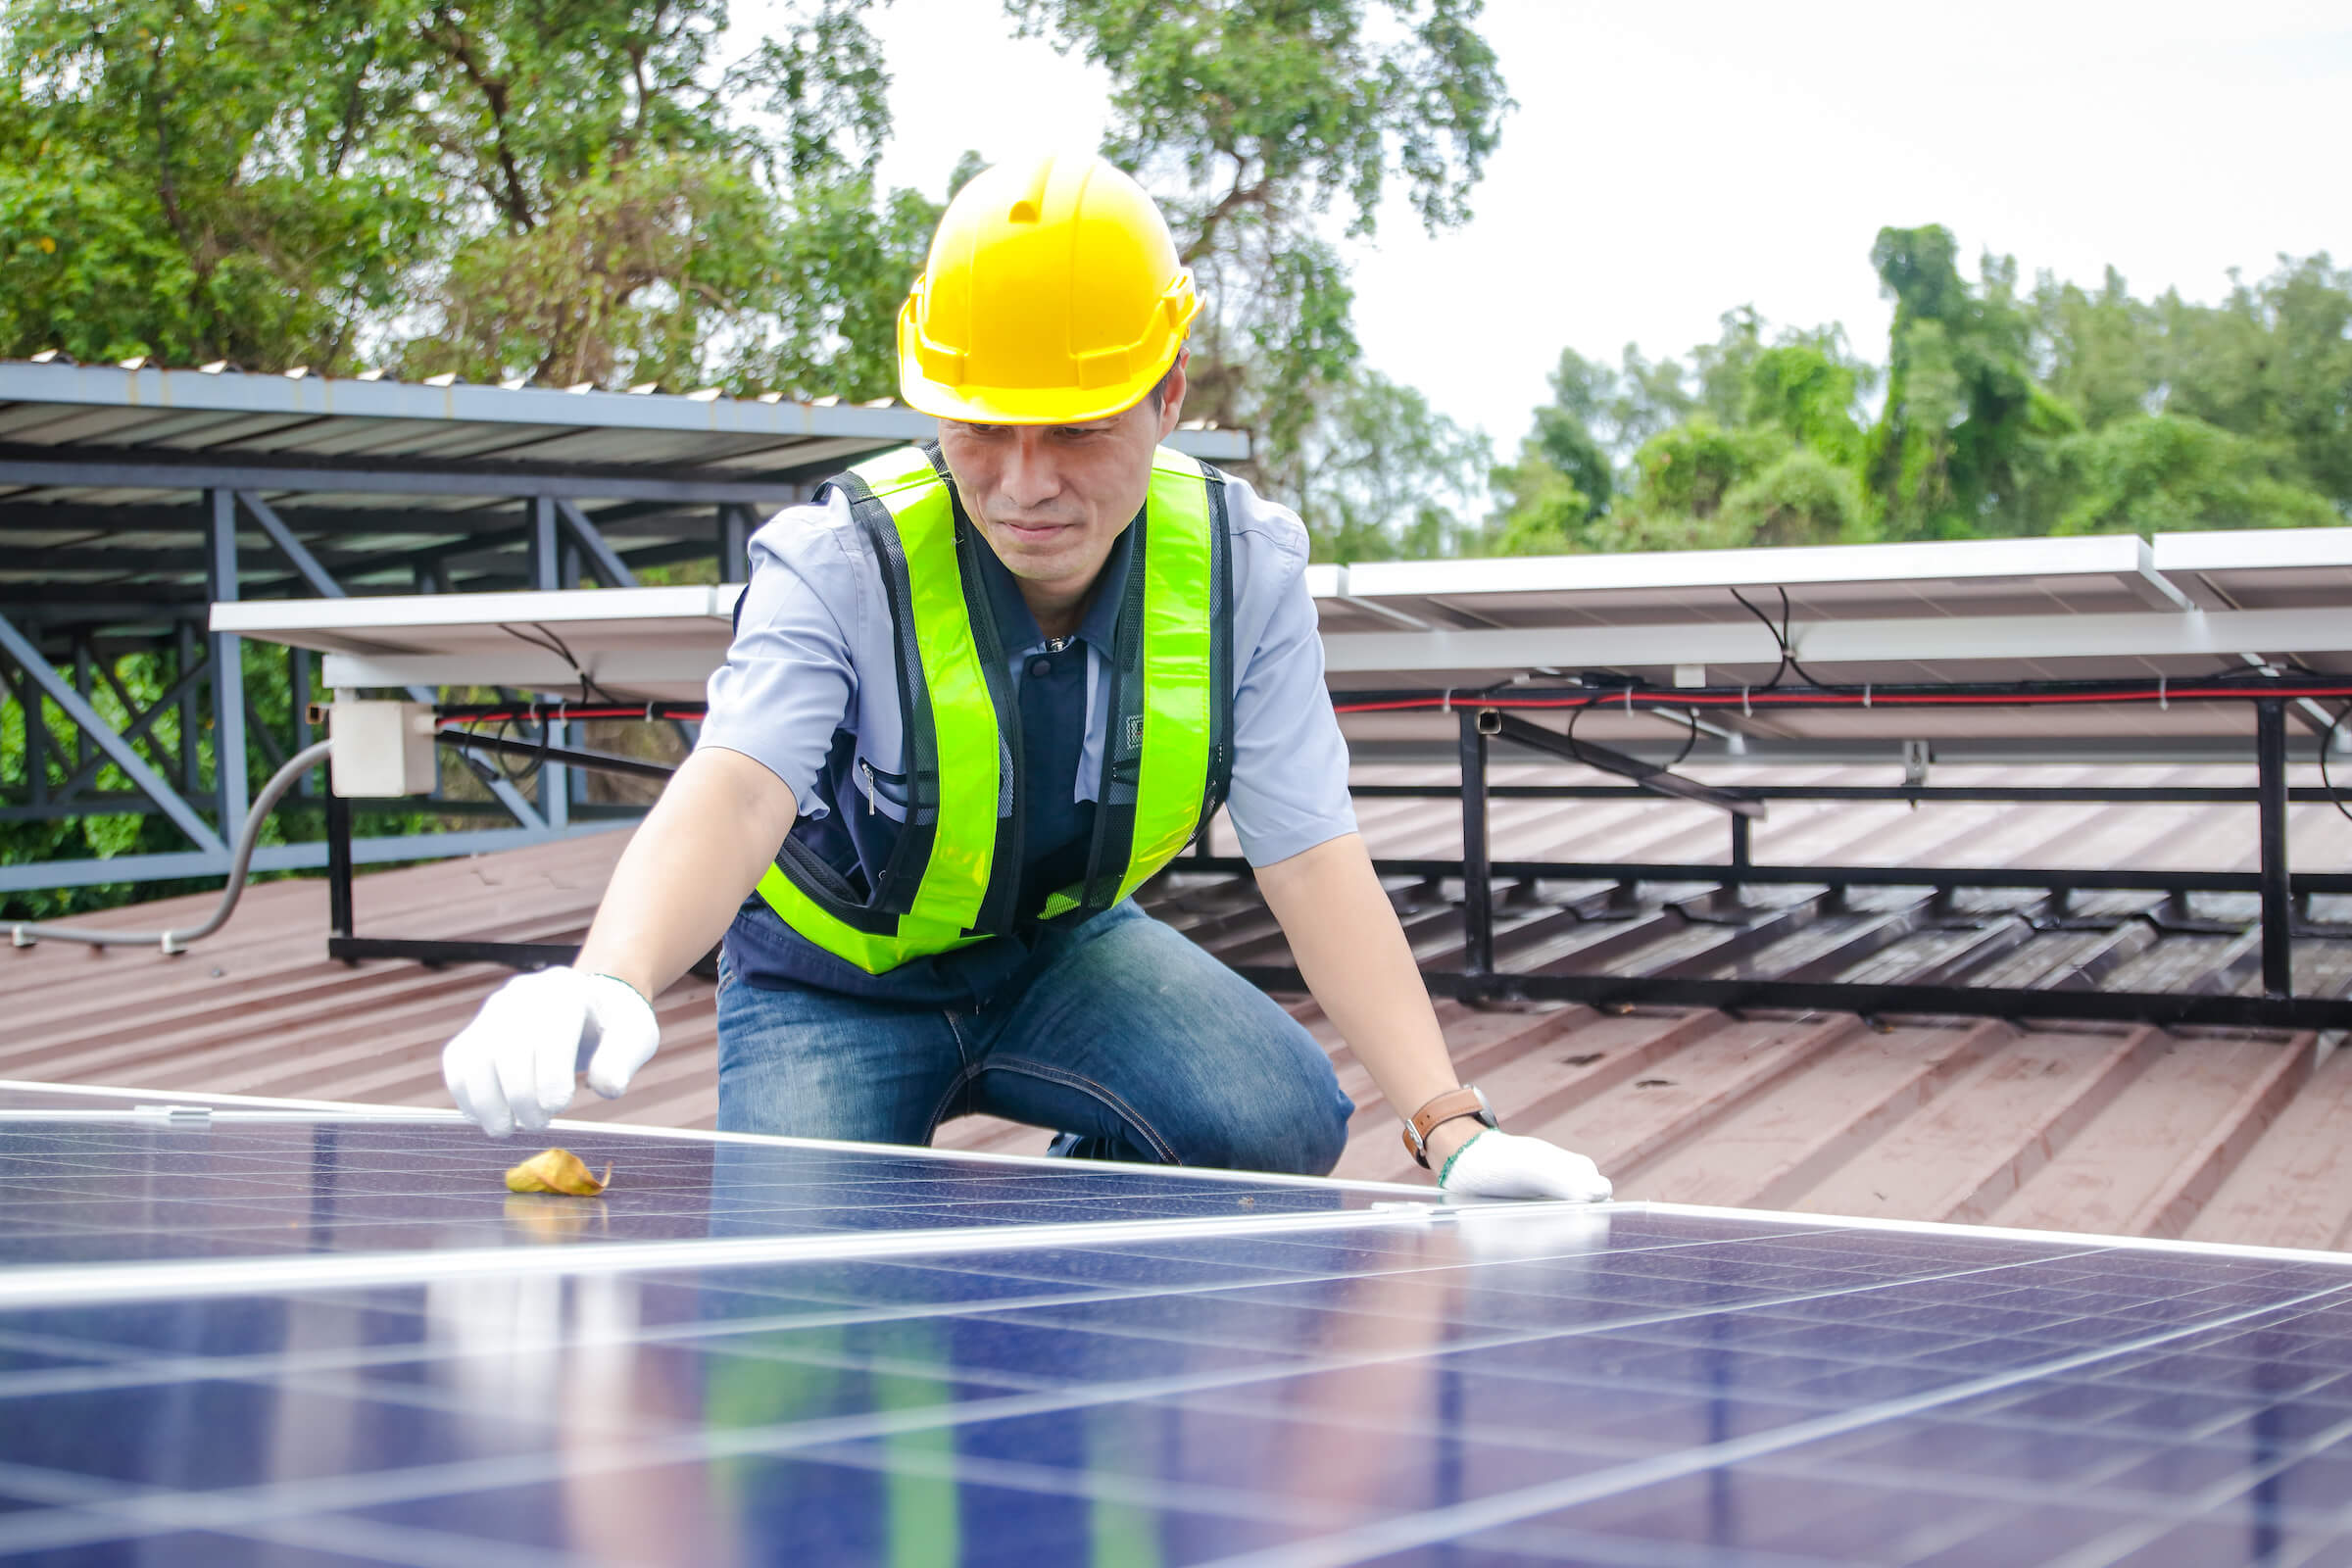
(381, 749)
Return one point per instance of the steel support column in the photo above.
(1742, 857)
(183, 648)
(1478, 889)
(547, 575)
(734, 544)
(229, 785)
(2278, 903)
(338, 865)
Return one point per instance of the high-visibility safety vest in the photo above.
(955, 875)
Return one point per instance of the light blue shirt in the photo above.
(813, 655)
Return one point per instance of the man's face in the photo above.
(1052, 499)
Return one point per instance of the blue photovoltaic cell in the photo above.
(117, 1190)
(1630, 1386)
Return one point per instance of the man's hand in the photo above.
(1500, 1165)
(513, 1066)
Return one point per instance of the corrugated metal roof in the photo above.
(2101, 1128)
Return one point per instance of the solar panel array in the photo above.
(339, 1341)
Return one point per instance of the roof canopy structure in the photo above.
(391, 486)
(134, 498)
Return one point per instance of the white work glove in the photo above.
(1500, 1165)
(513, 1066)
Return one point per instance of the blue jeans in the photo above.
(1118, 1031)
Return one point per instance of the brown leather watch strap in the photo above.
(1452, 1105)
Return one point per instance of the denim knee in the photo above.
(1301, 1130)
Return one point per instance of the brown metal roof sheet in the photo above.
(2103, 1128)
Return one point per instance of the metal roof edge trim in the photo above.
(2090, 555)
(249, 616)
(110, 386)
(237, 392)
(2253, 549)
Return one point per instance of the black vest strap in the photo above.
(895, 885)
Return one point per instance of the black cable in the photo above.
(2326, 740)
(557, 646)
(1780, 635)
(1690, 738)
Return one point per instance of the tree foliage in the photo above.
(584, 192)
(1382, 475)
(1272, 132)
(2004, 411)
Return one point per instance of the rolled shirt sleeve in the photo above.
(1290, 765)
(791, 674)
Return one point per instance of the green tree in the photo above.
(2157, 471)
(1257, 123)
(2105, 351)
(2273, 362)
(1801, 498)
(198, 182)
(1965, 432)
(586, 193)
(1385, 478)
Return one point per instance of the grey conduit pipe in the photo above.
(25, 934)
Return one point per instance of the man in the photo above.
(978, 692)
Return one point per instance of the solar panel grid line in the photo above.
(339, 1110)
(2180, 1246)
(1469, 1519)
(102, 1514)
(1491, 1299)
(77, 1379)
(437, 1481)
(115, 1281)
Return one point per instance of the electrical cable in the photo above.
(1780, 635)
(2327, 741)
(1690, 740)
(588, 689)
(24, 934)
(561, 650)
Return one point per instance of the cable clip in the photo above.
(1446, 704)
(2164, 702)
(1629, 696)
(648, 713)
(1866, 693)
(1745, 711)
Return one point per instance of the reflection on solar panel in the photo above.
(317, 1342)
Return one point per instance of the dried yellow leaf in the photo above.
(557, 1171)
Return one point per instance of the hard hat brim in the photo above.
(1020, 405)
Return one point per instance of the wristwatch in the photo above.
(1452, 1105)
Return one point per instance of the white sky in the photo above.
(1669, 162)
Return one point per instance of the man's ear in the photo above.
(1172, 401)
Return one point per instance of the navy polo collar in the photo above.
(1017, 627)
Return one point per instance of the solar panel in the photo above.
(1501, 1385)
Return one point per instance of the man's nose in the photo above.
(1029, 477)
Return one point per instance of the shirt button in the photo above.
(1040, 668)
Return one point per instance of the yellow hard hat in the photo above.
(1053, 296)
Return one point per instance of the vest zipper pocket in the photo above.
(891, 787)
